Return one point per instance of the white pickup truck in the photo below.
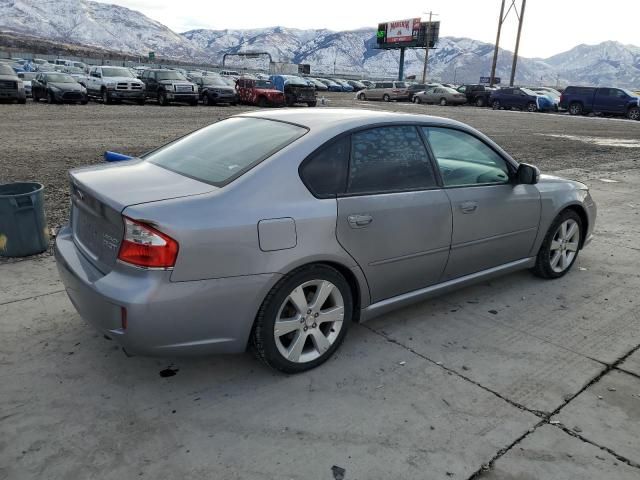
(114, 84)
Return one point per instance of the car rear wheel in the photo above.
(304, 319)
(532, 107)
(443, 102)
(633, 113)
(560, 247)
(496, 105)
(479, 102)
(262, 102)
(575, 109)
(386, 98)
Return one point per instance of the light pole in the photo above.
(426, 50)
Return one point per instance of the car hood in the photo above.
(544, 178)
(122, 79)
(69, 87)
(10, 77)
(133, 182)
(175, 82)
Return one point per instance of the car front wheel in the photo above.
(633, 113)
(495, 105)
(386, 98)
(304, 319)
(560, 247)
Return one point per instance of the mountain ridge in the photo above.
(456, 59)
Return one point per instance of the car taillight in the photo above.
(144, 246)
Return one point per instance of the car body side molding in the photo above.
(393, 303)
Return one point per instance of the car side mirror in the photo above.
(527, 174)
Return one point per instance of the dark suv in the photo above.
(607, 100)
(168, 86)
(476, 94)
(214, 90)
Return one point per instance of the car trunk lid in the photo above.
(99, 195)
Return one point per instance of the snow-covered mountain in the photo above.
(455, 60)
(96, 24)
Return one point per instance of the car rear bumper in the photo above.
(162, 317)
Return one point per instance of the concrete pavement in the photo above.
(501, 380)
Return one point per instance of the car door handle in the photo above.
(468, 207)
(359, 221)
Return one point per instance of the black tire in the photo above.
(141, 101)
(263, 342)
(312, 104)
(417, 99)
(162, 98)
(363, 97)
(532, 107)
(194, 103)
(633, 113)
(50, 98)
(575, 109)
(443, 102)
(35, 97)
(262, 102)
(83, 102)
(386, 98)
(496, 105)
(205, 99)
(106, 98)
(543, 267)
(22, 101)
(479, 102)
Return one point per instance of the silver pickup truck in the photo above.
(11, 87)
(114, 84)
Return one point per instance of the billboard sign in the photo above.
(496, 80)
(400, 31)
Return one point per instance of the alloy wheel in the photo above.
(564, 246)
(309, 321)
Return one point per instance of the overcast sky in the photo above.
(551, 26)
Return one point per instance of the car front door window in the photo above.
(464, 160)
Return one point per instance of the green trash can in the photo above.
(23, 228)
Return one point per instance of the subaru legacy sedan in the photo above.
(277, 230)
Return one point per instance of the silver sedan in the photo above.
(278, 230)
(441, 96)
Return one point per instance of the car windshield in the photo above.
(171, 75)
(60, 78)
(296, 81)
(629, 92)
(264, 84)
(116, 72)
(213, 81)
(449, 90)
(220, 152)
(6, 70)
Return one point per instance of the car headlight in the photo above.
(83, 89)
(110, 84)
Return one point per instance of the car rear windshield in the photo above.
(221, 152)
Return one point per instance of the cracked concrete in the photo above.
(444, 389)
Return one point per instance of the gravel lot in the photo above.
(41, 142)
(513, 378)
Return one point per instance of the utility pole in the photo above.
(426, 50)
(495, 51)
(515, 54)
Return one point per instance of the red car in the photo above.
(259, 92)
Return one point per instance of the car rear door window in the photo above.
(325, 171)
(465, 160)
(221, 152)
(389, 159)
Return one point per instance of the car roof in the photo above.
(346, 118)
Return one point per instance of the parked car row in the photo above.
(576, 100)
